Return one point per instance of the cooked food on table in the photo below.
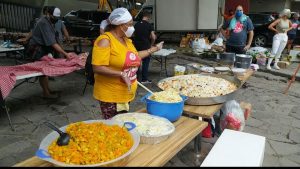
(199, 86)
(92, 144)
(168, 96)
(147, 125)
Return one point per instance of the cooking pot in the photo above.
(227, 58)
(170, 111)
(243, 61)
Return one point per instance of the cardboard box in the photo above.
(184, 42)
(247, 107)
(283, 64)
(296, 48)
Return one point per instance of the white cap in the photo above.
(119, 16)
(56, 12)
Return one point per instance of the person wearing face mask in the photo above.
(115, 63)
(283, 26)
(239, 27)
(44, 40)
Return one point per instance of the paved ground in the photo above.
(275, 116)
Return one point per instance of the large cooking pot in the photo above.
(43, 154)
(206, 101)
(227, 58)
(243, 61)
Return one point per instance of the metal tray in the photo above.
(210, 100)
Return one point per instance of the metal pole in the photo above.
(292, 80)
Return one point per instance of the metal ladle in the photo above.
(63, 139)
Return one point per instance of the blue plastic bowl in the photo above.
(170, 111)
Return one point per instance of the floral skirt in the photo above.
(109, 110)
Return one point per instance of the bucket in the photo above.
(170, 111)
(243, 61)
(227, 58)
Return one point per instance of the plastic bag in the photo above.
(233, 116)
(179, 70)
(199, 44)
(218, 42)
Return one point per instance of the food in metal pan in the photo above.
(92, 144)
(199, 86)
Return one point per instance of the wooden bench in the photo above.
(236, 149)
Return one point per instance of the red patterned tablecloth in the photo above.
(47, 66)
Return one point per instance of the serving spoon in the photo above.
(145, 87)
(64, 138)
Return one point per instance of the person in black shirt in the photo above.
(144, 38)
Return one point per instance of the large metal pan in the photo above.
(210, 100)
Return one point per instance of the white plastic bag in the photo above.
(199, 44)
(233, 116)
(218, 42)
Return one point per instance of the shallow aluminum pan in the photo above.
(211, 100)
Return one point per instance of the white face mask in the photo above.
(129, 31)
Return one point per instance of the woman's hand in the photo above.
(160, 45)
(126, 79)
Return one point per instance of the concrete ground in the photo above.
(275, 115)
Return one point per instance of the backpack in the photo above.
(89, 72)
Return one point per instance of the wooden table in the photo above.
(209, 111)
(150, 155)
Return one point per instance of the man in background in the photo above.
(44, 40)
(144, 38)
(239, 27)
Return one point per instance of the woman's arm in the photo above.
(271, 27)
(146, 53)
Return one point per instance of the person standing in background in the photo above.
(283, 26)
(292, 34)
(239, 27)
(63, 34)
(44, 40)
(144, 38)
(61, 31)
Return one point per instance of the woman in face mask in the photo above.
(283, 26)
(115, 63)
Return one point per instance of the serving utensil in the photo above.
(64, 138)
(145, 88)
